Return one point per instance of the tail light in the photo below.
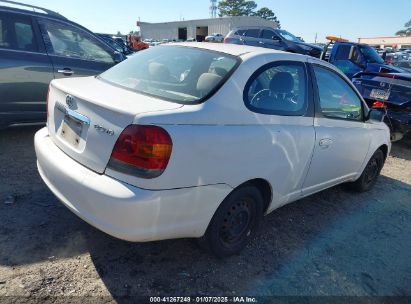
(142, 151)
(226, 40)
(378, 104)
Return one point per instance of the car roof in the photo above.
(246, 27)
(27, 9)
(228, 48)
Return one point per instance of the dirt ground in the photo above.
(333, 243)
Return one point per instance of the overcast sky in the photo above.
(349, 18)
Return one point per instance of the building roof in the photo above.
(207, 20)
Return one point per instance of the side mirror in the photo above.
(376, 114)
(276, 38)
(118, 57)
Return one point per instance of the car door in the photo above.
(280, 96)
(251, 37)
(25, 71)
(270, 39)
(73, 50)
(342, 136)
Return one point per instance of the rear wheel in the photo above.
(235, 222)
(370, 174)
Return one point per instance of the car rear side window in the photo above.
(337, 97)
(240, 32)
(68, 41)
(16, 32)
(253, 33)
(3, 34)
(278, 88)
(267, 34)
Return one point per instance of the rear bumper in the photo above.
(122, 210)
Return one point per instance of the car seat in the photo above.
(206, 82)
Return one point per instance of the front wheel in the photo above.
(235, 222)
(370, 174)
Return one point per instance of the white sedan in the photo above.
(201, 140)
(215, 37)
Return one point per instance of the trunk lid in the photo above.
(86, 116)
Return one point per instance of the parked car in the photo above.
(404, 65)
(271, 38)
(36, 47)
(214, 37)
(188, 141)
(391, 58)
(391, 92)
(121, 48)
(120, 40)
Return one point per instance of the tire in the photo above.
(370, 174)
(235, 222)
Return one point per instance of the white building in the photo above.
(382, 42)
(199, 29)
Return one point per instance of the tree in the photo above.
(245, 8)
(236, 8)
(406, 31)
(266, 13)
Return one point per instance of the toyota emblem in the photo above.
(70, 101)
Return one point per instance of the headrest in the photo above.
(207, 82)
(282, 82)
(158, 71)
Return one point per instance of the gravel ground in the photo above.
(333, 243)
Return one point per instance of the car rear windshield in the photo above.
(180, 74)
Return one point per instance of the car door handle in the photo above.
(66, 72)
(325, 143)
(260, 42)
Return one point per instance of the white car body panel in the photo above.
(106, 105)
(217, 146)
(121, 210)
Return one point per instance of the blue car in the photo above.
(391, 92)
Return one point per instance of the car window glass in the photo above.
(343, 52)
(68, 41)
(16, 32)
(240, 32)
(24, 36)
(337, 98)
(280, 89)
(179, 74)
(3, 35)
(252, 33)
(267, 34)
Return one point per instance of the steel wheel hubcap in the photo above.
(371, 171)
(236, 222)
